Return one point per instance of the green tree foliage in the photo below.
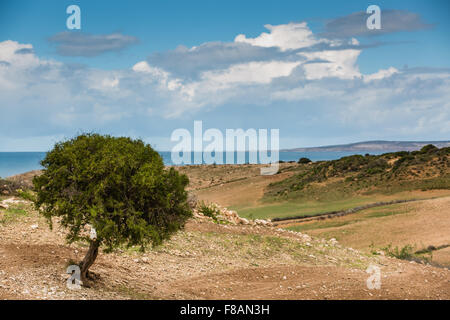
(119, 186)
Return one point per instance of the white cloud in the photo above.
(318, 80)
(284, 36)
(9, 53)
(384, 73)
(340, 64)
(143, 66)
(250, 73)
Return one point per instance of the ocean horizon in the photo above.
(12, 163)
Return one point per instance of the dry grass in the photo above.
(422, 224)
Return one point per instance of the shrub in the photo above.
(119, 186)
(209, 210)
(405, 253)
(429, 148)
(304, 160)
(26, 195)
(8, 187)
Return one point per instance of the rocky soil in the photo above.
(208, 260)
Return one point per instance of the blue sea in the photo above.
(12, 163)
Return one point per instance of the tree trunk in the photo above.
(88, 260)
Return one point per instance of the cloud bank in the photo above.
(307, 85)
(354, 25)
(87, 45)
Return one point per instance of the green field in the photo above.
(310, 208)
(379, 212)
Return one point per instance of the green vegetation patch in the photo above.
(12, 214)
(322, 225)
(346, 177)
(378, 212)
(407, 252)
(305, 209)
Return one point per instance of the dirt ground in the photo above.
(208, 261)
(421, 224)
(242, 192)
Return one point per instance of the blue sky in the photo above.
(145, 68)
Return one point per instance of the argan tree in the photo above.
(119, 186)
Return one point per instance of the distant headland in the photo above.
(377, 145)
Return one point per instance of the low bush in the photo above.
(209, 210)
(406, 252)
(304, 160)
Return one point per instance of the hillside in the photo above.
(388, 173)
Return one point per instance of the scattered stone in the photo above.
(333, 241)
(13, 201)
(244, 221)
(192, 200)
(230, 216)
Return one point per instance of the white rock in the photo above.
(333, 241)
(13, 201)
(261, 222)
(244, 221)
